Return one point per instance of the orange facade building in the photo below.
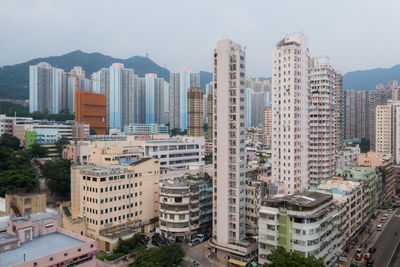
(90, 108)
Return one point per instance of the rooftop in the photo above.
(341, 187)
(139, 161)
(38, 247)
(307, 199)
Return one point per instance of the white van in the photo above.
(379, 227)
(194, 242)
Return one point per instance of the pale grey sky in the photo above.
(355, 34)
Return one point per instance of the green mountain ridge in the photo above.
(14, 79)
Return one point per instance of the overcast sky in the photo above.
(354, 34)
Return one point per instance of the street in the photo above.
(198, 253)
(384, 241)
(387, 241)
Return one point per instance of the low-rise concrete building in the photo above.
(368, 177)
(7, 123)
(186, 207)
(49, 132)
(36, 240)
(175, 152)
(146, 128)
(256, 190)
(113, 198)
(172, 152)
(20, 204)
(352, 195)
(384, 164)
(303, 223)
(347, 156)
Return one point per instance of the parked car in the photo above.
(207, 236)
(360, 249)
(372, 250)
(370, 262)
(367, 256)
(390, 210)
(379, 227)
(385, 215)
(358, 257)
(194, 242)
(200, 237)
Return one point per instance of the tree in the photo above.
(10, 141)
(165, 256)
(126, 246)
(280, 257)
(38, 151)
(19, 160)
(57, 174)
(18, 180)
(61, 144)
(5, 155)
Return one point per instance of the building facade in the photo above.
(322, 145)
(368, 177)
(111, 197)
(350, 114)
(379, 96)
(36, 240)
(175, 153)
(157, 99)
(47, 85)
(229, 153)
(387, 139)
(180, 82)
(267, 127)
(90, 108)
(185, 207)
(119, 96)
(210, 120)
(301, 223)
(146, 128)
(362, 116)
(195, 109)
(339, 110)
(351, 197)
(290, 117)
(385, 167)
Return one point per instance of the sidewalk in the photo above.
(369, 238)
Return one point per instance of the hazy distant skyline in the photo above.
(355, 35)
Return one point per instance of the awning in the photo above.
(253, 263)
(237, 262)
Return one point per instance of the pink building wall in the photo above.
(74, 252)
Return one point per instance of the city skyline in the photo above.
(339, 38)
